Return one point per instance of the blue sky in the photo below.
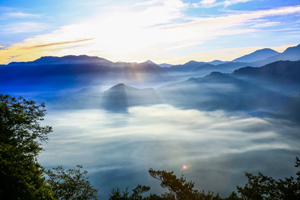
(164, 31)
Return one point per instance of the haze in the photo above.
(204, 88)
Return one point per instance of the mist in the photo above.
(117, 149)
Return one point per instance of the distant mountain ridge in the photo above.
(85, 71)
(68, 71)
(70, 59)
(291, 54)
(257, 55)
(284, 76)
(249, 89)
(255, 59)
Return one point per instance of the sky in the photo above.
(164, 31)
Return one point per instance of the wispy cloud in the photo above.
(267, 24)
(57, 43)
(214, 3)
(23, 27)
(231, 2)
(22, 15)
(207, 2)
(135, 33)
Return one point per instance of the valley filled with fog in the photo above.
(210, 121)
(216, 147)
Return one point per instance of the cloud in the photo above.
(163, 137)
(231, 2)
(208, 2)
(23, 27)
(267, 24)
(214, 3)
(22, 15)
(58, 43)
(166, 124)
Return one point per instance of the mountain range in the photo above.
(255, 59)
(261, 54)
(259, 83)
(238, 91)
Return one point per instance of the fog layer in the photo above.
(118, 149)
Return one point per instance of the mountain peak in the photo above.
(150, 62)
(191, 62)
(292, 50)
(118, 86)
(216, 62)
(257, 55)
(69, 59)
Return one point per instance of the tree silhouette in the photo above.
(70, 184)
(136, 195)
(20, 174)
(263, 187)
(180, 188)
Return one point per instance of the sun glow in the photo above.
(185, 167)
(155, 30)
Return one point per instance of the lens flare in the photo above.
(185, 167)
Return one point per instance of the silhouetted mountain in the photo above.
(257, 55)
(204, 70)
(165, 65)
(191, 66)
(256, 59)
(248, 89)
(220, 91)
(119, 97)
(229, 66)
(291, 109)
(185, 68)
(76, 71)
(281, 76)
(291, 54)
(217, 62)
(51, 60)
(202, 67)
(239, 91)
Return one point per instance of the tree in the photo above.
(70, 184)
(263, 187)
(20, 133)
(136, 195)
(233, 196)
(180, 188)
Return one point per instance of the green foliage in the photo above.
(177, 186)
(264, 188)
(20, 132)
(136, 195)
(70, 184)
(180, 188)
(232, 196)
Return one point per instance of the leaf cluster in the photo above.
(20, 133)
(70, 184)
(136, 193)
(262, 187)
